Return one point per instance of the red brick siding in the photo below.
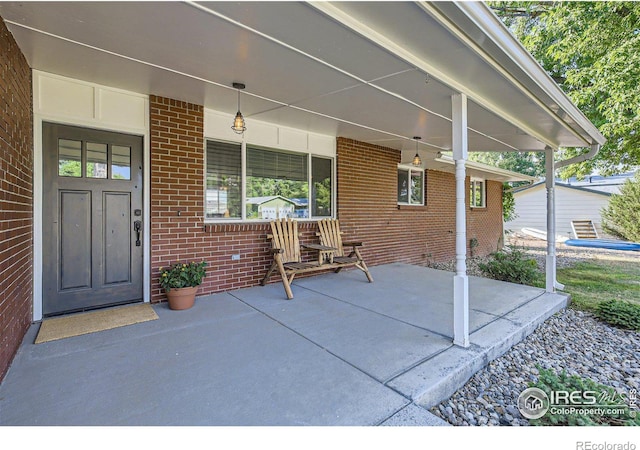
(485, 224)
(16, 198)
(177, 173)
(368, 210)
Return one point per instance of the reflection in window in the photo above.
(417, 187)
(321, 184)
(96, 160)
(120, 162)
(224, 171)
(403, 186)
(69, 158)
(477, 193)
(277, 184)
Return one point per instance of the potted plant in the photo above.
(180, 281)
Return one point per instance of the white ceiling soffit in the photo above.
(320, 67)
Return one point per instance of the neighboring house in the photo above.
(610, 184)
(572, 203)
(117, 154)
(272, 207)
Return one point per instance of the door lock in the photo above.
(137, 227)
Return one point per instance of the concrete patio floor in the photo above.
(342, 352)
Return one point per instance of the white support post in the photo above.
(550, 266)
(460, 280)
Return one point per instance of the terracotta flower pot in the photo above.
(182, 298)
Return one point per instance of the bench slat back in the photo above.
(285, 237)
(330, 235)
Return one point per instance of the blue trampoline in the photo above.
(610, 244)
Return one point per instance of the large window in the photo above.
(477, 194)
(410, 186)
(277, 183)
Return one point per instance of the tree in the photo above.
(621, 218)
(528, 163)
(592, 50)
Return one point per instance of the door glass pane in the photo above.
(96, 160)
(120, 162)
(69, 158)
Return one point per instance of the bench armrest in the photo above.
(353, 244)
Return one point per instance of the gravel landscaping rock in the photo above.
(571, 340)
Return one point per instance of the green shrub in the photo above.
(619, 313)
(511, 265)
(621, 217)
(618, 414)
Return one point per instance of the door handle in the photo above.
(137, 227)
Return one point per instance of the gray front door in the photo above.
(92, 218)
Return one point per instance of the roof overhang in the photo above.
(446, 163)
(380, 72)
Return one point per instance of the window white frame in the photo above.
(410, 170)
(243, 148)
(478, 186)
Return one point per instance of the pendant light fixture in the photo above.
(238, 123)
(416, 159)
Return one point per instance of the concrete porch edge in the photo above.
(440, 377)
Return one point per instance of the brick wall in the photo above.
(368, 210)
(16, 198)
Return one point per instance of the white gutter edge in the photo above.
(492, 27)
(595, 148)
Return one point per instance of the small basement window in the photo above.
(410, 186)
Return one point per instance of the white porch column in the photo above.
(460, 280)
(550, 266)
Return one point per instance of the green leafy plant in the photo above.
(614, 405)
(621, 217)
(620, 313)
(181, 275)
(511, 265)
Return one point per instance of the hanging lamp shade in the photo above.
(239, 125)
(417, 161)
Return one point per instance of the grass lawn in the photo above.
(590, 283)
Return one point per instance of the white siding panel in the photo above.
(571, 204)
(82, 103)
(122, 109)
(217, 125)
(66, 98)
(293, 139)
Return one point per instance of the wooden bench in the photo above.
(287, 254)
